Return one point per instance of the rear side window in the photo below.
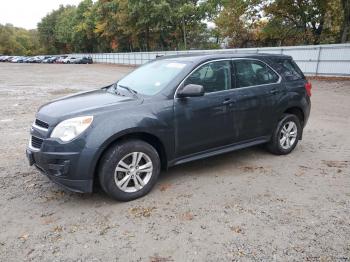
(253, 73)
(289, 69)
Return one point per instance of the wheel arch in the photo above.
(152, 139)
(298, 112)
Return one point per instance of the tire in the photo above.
(123, 153)
(278, 144)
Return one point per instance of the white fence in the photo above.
(326, 60)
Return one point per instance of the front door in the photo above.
(205, 122)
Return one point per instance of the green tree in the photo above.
(301, 20)
(84, 37)
(110, 16)
(238, 21)
(47, 33)
(187, 25)
(64, 29)
(150, 19)
(146, 25)
(18, 41)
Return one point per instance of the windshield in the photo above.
(151, 78)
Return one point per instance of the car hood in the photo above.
(84, 103)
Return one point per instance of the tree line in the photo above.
(148, 25)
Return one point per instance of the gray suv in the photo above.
(167, 112)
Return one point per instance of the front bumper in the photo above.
(62, 168)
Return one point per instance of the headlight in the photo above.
(69, 129)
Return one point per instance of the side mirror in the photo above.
(191, 91)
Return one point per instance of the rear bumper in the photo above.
(61, 169)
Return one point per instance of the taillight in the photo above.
(308, 87)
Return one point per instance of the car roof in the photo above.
(200, 57)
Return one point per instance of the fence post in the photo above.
(318, 59)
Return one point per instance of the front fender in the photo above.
(109, 127)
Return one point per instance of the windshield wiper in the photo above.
(132, 91)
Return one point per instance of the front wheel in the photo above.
(286, 135)
(129, 170)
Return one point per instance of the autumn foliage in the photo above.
(135, 25)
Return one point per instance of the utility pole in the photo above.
(184, 30)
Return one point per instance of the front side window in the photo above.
(153, 77)
(213, 76)
(253, 73)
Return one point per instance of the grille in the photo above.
(41, 124)
(36, 142)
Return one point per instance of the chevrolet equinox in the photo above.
(169, 111)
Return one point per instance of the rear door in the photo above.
(256, 97)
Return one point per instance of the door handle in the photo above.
(274, 91)
(227, 101)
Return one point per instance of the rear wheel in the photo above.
(286, 135)
(129, 170)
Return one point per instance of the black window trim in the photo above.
(233, 83)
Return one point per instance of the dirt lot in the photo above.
(246, 205)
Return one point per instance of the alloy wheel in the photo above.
(288, 135)
(133, 172)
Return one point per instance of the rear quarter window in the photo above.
(289, 69)
(253, 73)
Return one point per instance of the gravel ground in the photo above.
(246, 205)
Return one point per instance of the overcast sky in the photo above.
(27, 13)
